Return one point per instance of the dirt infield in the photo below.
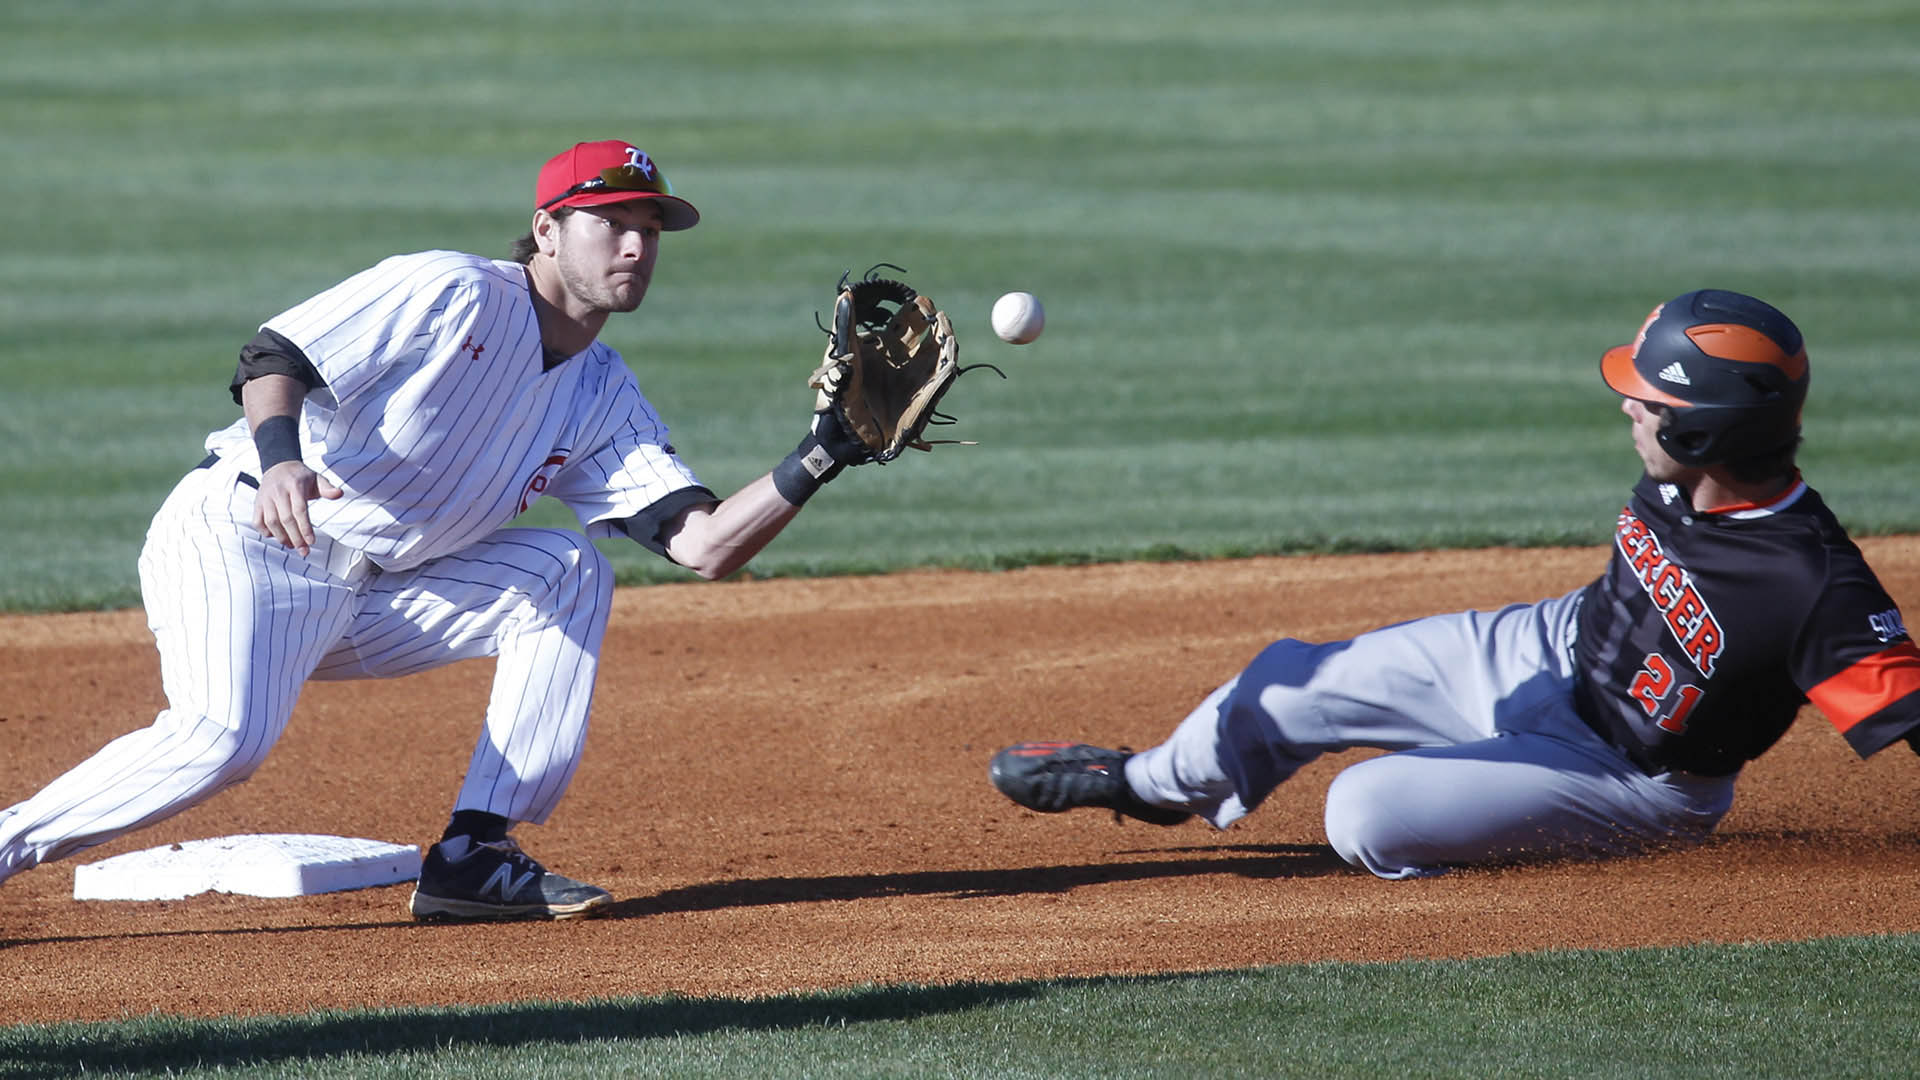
(761, 840)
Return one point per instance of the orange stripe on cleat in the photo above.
(1039, 749)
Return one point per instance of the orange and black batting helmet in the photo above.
(1729, 371)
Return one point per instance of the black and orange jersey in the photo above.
(1709, 630)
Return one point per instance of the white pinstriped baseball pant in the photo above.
(242, 623)
(1491, 761)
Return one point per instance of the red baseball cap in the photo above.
(610, 171)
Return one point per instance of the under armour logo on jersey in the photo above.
(1674, 373)
(637, 160)
(1888, 626)
(472, 346)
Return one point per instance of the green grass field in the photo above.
(1319, 276)
(1837, 1009)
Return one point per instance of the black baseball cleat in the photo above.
(1052, 777)
(497, 880)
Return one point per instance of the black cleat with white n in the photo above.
(1052, 777)
(464, 879)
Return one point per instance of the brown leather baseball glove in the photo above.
(891, 355)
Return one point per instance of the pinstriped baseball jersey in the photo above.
(441, 420)
(1708, 631)
(434, 404)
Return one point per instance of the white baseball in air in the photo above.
(1018, 318)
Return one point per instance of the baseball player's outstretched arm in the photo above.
(715, 539)
(272, 404)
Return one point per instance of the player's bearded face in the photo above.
(605, 254)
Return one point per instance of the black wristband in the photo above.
(802, 472)
(278, 439)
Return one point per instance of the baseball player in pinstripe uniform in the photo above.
(1610, 720)
(352, 525)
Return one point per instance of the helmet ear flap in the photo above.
(1691, 447)
(1703, 435)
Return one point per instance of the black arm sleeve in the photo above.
(644, 527)
(270, 354)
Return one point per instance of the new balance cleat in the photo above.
(1052, 777)
(461, 879)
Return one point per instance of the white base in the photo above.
(256, 865)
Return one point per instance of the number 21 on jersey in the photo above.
(1652, 686)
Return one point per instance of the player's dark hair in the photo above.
(1760, 468)
(523, 249)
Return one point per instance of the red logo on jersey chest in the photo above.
(541, 477)
(473, 347)
(1671, 589)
